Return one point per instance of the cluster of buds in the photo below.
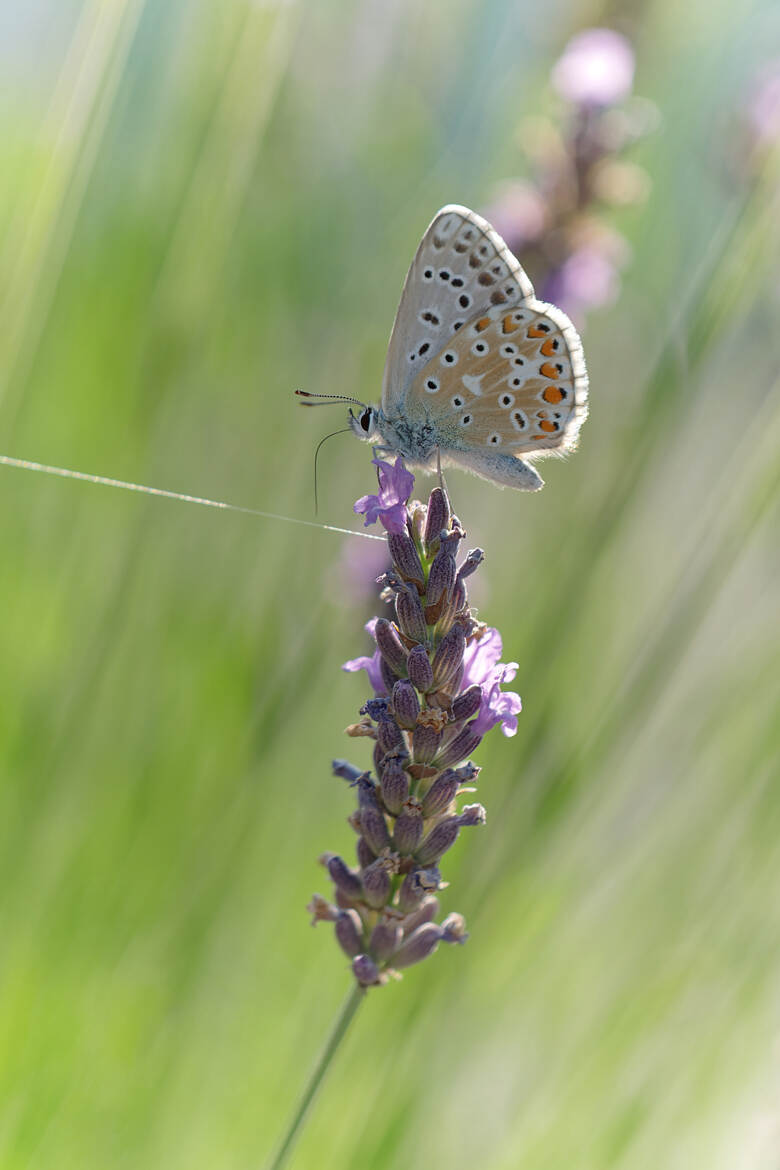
(555, 220)
(436, 686)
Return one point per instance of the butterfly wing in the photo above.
(511, 380)
(462, 268)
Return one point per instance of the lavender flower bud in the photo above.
(390, 645)
(374, 828)
(405, 558)
(448, 608)
(389, 676)
(467, 704)
(473, 814)
(406, 705)
(437, 517)
(454, 929)
(409, 611)
(419, 668)
(389, 736)
(468, 772)
(441, 838)
(471, 563)
(415, 886)
(365, 970)
(395, 786)
(376, 709)
(385, 938)
(425, 744)
(441, 577)
(408, 828)
(366, 790)
(346, 770)
(426, 912)
(448, 658)
(415, 522)
(440, 794)
(464, 743)
(365, 855)
(345, 880)
(377, 885)
(349, 932)
(322, 910)
(418, 946)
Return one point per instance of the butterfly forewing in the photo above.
(512, 378)
(462, 269)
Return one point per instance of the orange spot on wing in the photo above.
(482, 324)
(508, 325)
(549, 347)
(535, 331)
(549, 370)
(548, 425)
(552, 393)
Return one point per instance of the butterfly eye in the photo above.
(365, 420)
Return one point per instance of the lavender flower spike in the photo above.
(436, 680)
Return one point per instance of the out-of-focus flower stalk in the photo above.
(556, 220)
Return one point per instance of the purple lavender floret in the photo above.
(437, 680)
(389, 504)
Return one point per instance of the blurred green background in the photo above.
(204, 205)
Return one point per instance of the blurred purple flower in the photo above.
(389, 504)
(372, 665)
(595, 69)
(764, 107)
(518, 213)
(358, 567)
(586, 280)
(481, 666)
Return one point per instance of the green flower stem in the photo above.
(353, 1002)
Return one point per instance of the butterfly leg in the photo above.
(499, 468)
(442, 481)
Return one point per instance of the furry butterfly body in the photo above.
(478, 372)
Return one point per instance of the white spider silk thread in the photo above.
(65, 473)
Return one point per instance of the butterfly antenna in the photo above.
(325, 399)
(341, 431)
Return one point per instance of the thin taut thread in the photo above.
(106, 481)
(351, 1006)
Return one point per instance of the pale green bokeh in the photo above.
(204, 206)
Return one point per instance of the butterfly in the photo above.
(479, 374)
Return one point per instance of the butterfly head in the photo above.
(365, 424)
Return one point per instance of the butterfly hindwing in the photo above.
(512, 379)
(461, 270)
